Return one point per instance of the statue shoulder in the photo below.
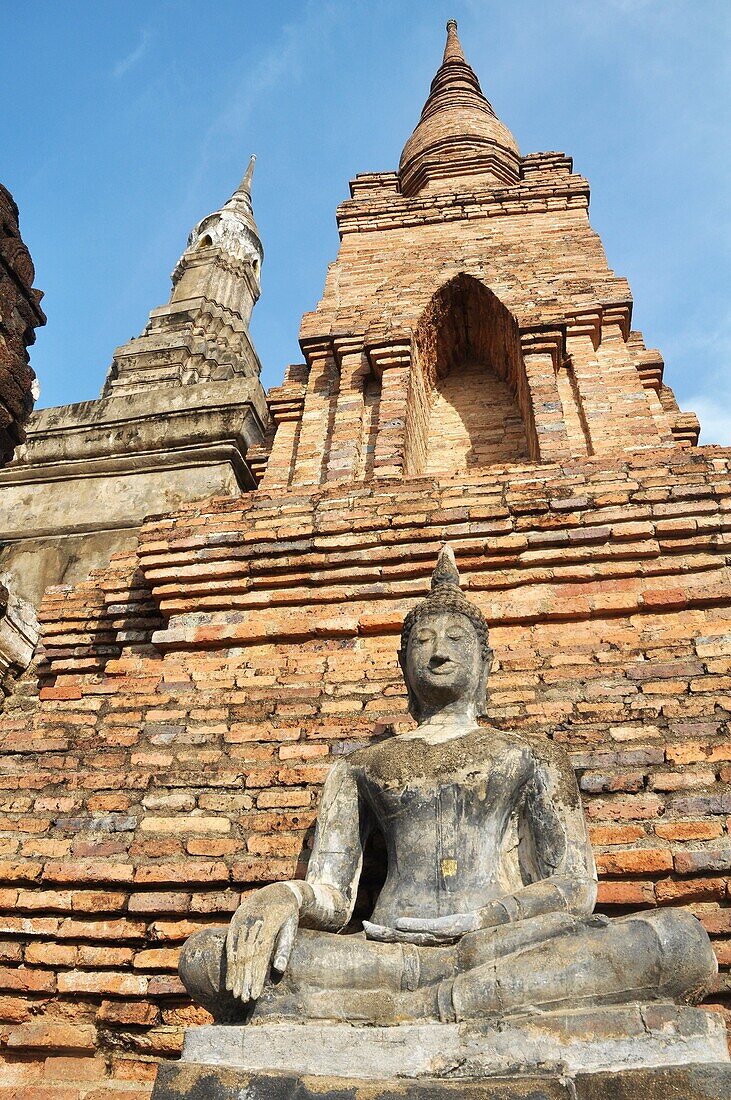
(341, 783)
(551, 759)
(542, 745)
(358, 758)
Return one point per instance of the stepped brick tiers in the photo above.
(471, 377)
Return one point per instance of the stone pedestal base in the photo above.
(613, 1053)
(183, 1081)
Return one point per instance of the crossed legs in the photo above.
(544, 963)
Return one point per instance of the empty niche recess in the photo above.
(469, 397)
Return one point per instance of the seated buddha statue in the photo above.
(490, 885)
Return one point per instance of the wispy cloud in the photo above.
(283, 62)
(124, 65)
(239, 95)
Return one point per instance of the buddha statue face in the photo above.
(444, 664)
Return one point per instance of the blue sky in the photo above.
(130, 121)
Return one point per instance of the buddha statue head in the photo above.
(445, 654)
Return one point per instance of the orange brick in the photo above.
(687, 890)
(50, 954)
(157, 958)
(605, 835)
(688, 830)
(75, 1069)
(52, 1035)
(128, 1014)
(611, 892)
(635, 861)
(283, 799)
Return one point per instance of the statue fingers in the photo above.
(230, 959)
(285, 943)
(235, 939)
(379, 932)
(442, 927)
(395, 935)
(265, 948)
(260, 968)
(414, 924)
(242, 988)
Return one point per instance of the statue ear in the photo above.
(413, 702)
(481, 693)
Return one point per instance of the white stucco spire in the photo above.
(232, 228)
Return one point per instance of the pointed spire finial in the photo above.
(244, 187)
(453, 48)
(458, 132)
(236, 216)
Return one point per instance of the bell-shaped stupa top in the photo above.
(232, 228)
(459, 133)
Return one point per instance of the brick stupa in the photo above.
(470, 375)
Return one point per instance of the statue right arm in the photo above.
(327, 896)
(263, 929)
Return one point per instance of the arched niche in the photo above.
(469, 403)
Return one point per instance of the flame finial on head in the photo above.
(445, 571)
(446, 596)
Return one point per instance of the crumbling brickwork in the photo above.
(20, 315)
(164, 756)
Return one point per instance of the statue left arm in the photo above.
(327, 895)
(560, 856)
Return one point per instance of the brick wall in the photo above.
(192, 697)
(474, 421)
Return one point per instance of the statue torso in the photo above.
(447, 811)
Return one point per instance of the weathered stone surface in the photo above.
(709, 1082)
(20, 315)
(189, 1082)
(119, 460)
(179, 412)
(586, 1040)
